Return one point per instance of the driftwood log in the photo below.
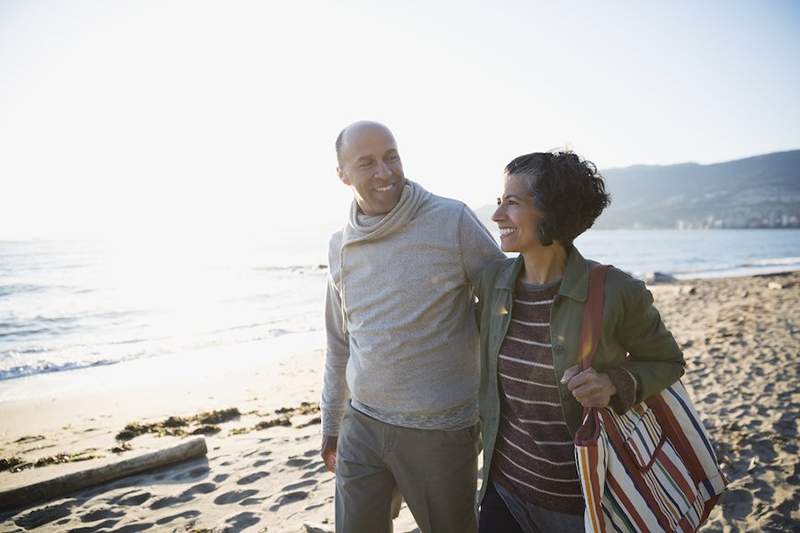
(58, 487)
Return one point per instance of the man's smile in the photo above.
(385, 188)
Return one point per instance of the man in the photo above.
(402, 345)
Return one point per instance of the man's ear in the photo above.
(343, 176)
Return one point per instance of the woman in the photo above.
(532, 392)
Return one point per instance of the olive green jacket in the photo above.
(633, 336)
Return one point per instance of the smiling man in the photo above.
(399, 409)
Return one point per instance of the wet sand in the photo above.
(741, 338)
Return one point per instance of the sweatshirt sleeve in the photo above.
(478, 247)
(334, 387)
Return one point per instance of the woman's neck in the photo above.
(545, 264)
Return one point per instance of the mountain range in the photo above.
(756, 192)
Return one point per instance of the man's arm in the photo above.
(478, 247)
(334, 388)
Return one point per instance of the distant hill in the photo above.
(756, 192)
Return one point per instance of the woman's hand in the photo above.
(589, 387)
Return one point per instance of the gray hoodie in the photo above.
(402, 339)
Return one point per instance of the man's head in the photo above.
(370, 164)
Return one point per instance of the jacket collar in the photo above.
(574, 285)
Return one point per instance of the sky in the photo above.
(216, 120)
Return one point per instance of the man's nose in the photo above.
(382, 170)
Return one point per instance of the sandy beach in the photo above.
(260, 419)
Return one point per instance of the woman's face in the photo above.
(516, 217)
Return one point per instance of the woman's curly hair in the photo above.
(567, 189)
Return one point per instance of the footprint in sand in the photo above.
(101, 514)
(219, 478)
(134, 499)
(266, 453)
(261, 462)
(252, 478)
(299, 485)
(40, 517)
(319, 470)
(185, 496)
(297, 461)
(289, 497)
(247, 502)
(234, 496)
(737, 504)
(186, 514)
(200, 488)
(168, 501)
(241, 521)
(192, 474)
(100, 526)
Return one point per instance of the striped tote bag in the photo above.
(650, 469)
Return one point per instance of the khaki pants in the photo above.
(435, 471)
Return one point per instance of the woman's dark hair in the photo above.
(567, 189)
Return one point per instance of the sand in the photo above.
(741, 338)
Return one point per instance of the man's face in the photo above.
(371, 166)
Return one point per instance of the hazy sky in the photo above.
(214, 118)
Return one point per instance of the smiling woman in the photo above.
(532, 392)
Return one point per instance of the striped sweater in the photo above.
(534, 455)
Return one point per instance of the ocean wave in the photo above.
(17, 288)
(777, 261)
(790, 263)
(42, 367)
(23, 332)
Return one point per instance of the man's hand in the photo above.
(589, 388)
(328, 452)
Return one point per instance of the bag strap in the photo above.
(592, 325)
(591, 328)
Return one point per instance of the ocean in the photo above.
(70, 305)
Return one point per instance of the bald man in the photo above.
(399, 410)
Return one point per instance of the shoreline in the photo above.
(740, 336)
(27, 381)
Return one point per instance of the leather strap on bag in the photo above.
(592, 325)
(591, 329)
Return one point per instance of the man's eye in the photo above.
(499, 201)
(365, 164)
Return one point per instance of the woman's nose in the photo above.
(499, 214)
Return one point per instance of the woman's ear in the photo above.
(545, 233)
